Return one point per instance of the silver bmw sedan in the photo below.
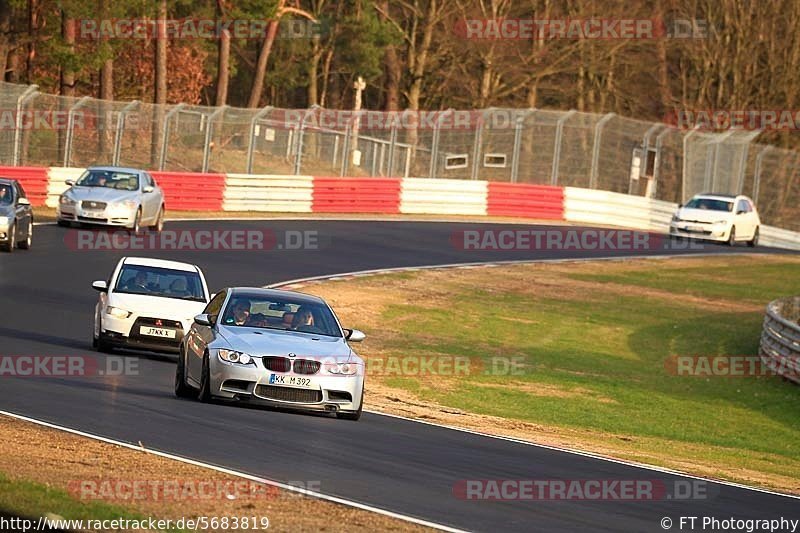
(272, 347)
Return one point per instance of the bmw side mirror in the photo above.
(148, 189)
(203, 320)
(354, 335)
(100, 286)
(23, 201)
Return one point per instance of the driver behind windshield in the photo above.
(5, 195)
(241, 312)
(138, 283)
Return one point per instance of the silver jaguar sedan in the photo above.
(272, 347)
(113, 196)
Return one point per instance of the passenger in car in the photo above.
(303, 317)
(179, 288)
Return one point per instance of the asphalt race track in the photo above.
(402, 466)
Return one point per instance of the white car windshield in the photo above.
(162, 282)
(710, 204)
(287, 314)
(123, 181)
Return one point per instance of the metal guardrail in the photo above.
(780, 338)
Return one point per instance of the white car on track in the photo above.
(148, 304)
(717, 217)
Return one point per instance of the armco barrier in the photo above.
(590, 206)
(356, 195)
(33, 179)
(443, 197)
(523, 200)
(779, 238)
(191, 191)
(780, 338)
(281, 194)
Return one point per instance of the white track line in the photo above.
(590, 455)
(265, 481)
(359, 273)
(489, 264)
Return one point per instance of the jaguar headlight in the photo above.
(66, 200)
(232, 356)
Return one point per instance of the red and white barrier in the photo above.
(186, 191)
(357, 195)
(443, 197)
(268, 193)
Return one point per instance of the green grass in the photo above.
(33, 500)
(604, 354)
(760, 284)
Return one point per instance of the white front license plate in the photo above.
(157, 332)
(93, 214)
(291, 381)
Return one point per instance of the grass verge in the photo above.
(594, 343)
(73, 477)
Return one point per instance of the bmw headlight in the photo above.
(231, 356)
(116, 312)
(343, 369)
(66, 200)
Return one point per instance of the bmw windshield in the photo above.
(162, 282)
(260, 312)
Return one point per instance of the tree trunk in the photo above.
(106, 93)
(223, 68)
(261, 65)
(313, 72)
(160, 95)
(67, 78)
(33, 27)
(392, 68)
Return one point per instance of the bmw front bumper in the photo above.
(251, 383)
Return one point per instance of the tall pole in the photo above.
(359, 85)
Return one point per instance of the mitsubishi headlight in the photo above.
(116, 312)
(343, 369)
(231, 356)
(66, 200)
(676, 218)
(721, 222)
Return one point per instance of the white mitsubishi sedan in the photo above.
(148, 304)
(717, 217)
